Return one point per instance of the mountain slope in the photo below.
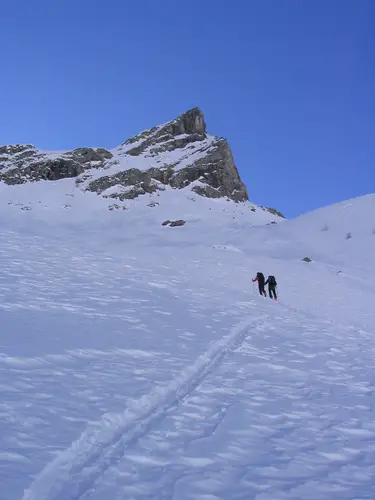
(178, 153)
(137, 360)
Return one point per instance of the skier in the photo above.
(260, 279)
(272, 284)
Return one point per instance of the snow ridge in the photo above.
(73, 473)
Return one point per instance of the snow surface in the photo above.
(138, 361)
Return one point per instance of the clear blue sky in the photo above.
(290, 83)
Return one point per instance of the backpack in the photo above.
(272, 281)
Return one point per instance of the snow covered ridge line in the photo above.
(177, 154)
(74, 471)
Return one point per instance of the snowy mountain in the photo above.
(178, 153)
(138, 360)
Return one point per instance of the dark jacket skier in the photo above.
(260, 279)
(272, 284)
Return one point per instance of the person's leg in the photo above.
(270, 291)
(274, 293)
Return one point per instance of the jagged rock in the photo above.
(86, 155)
(165, 138)
(166, 223)
(16, 150)
(20, 164)
(176, 223)
(217, 173)
(178, 153)
(138, 182)
(45, 170)
(207, 191)
(275, 212)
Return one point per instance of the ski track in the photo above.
(102, 311)
(268, 422)
(74, 471)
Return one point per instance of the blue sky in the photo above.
(289, 83)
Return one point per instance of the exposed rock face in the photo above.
(177, 223)
(177, 154)
(275, 212)
(20, 164)
(216, 172)
(189, 127)
(174, 223)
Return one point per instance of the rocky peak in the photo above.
(178, 154)
(191, 122)
(186, 128)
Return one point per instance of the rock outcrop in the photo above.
(178, 154)
(23, 163)
(174, 223)
(274, 212)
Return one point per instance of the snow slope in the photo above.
(137, 361)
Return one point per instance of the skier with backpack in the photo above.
(272, 284)
(260, 279)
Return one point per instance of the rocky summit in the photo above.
(178, 153)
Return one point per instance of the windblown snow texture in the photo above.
(137, 361)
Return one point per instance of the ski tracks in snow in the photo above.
(75, 470)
